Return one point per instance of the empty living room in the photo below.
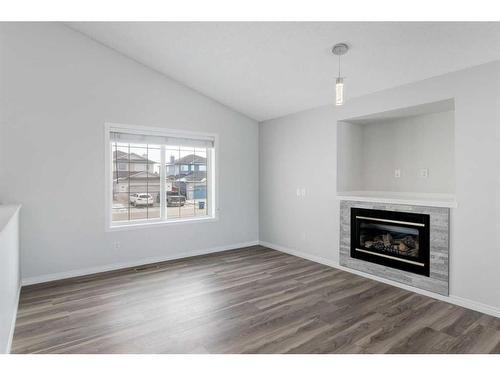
(186, 188)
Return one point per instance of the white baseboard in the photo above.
(135, 263)
(473, 305)
(463, 302)
(13, 323)
(299, 254)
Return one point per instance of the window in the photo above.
(158, 176)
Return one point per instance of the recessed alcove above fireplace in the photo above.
(404, 156)
(396, 181)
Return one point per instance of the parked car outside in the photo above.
(141, 199)
(175, 200)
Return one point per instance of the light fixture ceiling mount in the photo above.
(339, 49)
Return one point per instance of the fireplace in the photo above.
(391, 238)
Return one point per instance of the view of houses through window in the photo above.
(186, 181)
(137, 179)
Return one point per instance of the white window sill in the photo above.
(142, 224)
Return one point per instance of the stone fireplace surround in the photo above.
(437, 281)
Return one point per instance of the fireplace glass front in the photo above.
(391, 238)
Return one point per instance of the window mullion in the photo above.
(128, 175)
(163, 168)
(209, 198)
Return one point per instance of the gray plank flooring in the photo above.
(251, 300)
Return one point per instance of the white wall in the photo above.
(10, 275)
(57, 89)
(298, 151)
(349, 156)
(306, 141)
(369, 154)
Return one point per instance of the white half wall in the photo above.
(57, 89)
(10, 274)
(300, 150)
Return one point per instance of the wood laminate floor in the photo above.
(252, 300)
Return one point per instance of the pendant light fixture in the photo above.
(339, 50)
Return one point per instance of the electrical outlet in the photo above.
(303, 192)
(117, 245)
(397, 173)
(298, 192)
(424, 172)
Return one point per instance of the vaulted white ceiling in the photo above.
(267, 70)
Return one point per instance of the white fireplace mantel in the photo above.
(414, 199)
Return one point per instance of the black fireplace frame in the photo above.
(419, 221)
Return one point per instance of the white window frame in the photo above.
(212, 178)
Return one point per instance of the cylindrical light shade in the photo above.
(339, 91)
